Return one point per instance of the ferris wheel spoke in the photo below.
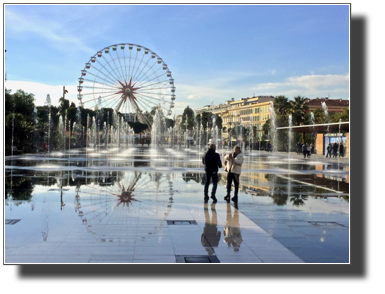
(112, 101)
(136, 57)
(107, 77)
(145, 77)
(129, 66)
(144, 66)
(105, 68)
(108, 63)
(146, 81)
(121, 77)
(91, 81)
(145, 102)
(159, 88)
(115, 67)
(120, 65)
(94, 99)
(125, 67)
(151, 85)
(143, 96)
(144, 74)
(93, 87)
(133, 76)
(141, 117)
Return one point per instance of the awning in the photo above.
(319, 128)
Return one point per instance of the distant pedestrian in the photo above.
(341, 150)
(212, 162)
(287, 148)
(304, 150)
(329, 151)
(335, 149)
(308, 150)
(299, 145)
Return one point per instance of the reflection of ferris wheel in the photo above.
(112, 212)
(128, 78)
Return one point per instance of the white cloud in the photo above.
(19, 25)
(318, 81)
(41, 90)
(309, 85)
(194, 97)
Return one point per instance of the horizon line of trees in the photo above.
(27, 128)
(21, 125)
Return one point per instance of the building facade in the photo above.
(333, 105)
(253, 111)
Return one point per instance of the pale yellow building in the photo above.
(246, 111)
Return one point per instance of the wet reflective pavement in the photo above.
(146, 206)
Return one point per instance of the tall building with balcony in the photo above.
(253, 111)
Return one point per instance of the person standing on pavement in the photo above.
(234, 165)
(304, 150)
(341, 150)
(212, 162)
(329, 151)
(299, 148)
(335, 149)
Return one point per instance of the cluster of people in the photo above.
(233, 164)
(336, 148)
(305, 149)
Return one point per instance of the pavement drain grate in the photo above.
(181, 222)
(11, 221)
(196, 259)
(323, 224)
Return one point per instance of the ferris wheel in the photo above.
(129, 78)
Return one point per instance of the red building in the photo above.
(333, 105)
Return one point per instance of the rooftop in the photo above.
(329, 102)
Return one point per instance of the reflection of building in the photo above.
(255, 110)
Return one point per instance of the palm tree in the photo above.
(298, 107)
(281, 105)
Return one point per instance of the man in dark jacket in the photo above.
(212, 162)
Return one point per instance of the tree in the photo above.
(281, 106)
(18, 123)
(170, 123)
(188, 119)
(138, 127)
(344, 116)
(206, 119)
(298, 109)
(63, 105)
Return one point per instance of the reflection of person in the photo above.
(234, 164)
(232, 229)
(211, 235)
(212, 162)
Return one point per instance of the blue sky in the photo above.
(215, 52)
